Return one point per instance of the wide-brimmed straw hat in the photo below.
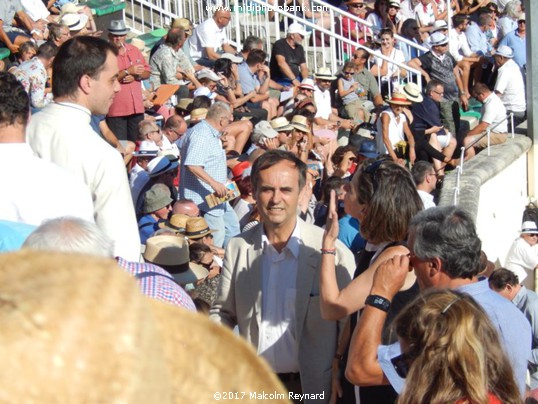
(75, 22)
(301, 123)
(398, 99)
(324, 73)
(182, 23)
(172, 253)
(66, 315)
(176, 223)
(412, 92)
(197, 228)
(281, 124)
(197, 114)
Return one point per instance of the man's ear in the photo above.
(435, 266)
(85, 84)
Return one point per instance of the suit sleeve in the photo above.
(223, 310)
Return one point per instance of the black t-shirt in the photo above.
(294, 57)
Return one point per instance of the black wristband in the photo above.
(379, 302)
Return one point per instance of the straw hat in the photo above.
(177, 223)
(301, 123)
(324, 73)
(172, 253)
(197, 228)
(412, 92)
(398, 99)
(182, 23)
(281, 124)
(198, 114)
(70, 8)
(74, 21)
(69, 314)
(184, 103)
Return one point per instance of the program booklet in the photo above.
(232, 193)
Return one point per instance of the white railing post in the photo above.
(488, 134)
(457, 187)
(512, 123)
(462, 157)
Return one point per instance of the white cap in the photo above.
(296, 28)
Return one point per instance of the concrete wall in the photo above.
(493, 189)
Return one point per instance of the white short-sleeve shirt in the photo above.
(207, 35)
(511, 87)
(493, 112)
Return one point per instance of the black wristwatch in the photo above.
(379, 302)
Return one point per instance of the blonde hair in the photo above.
(455, 352)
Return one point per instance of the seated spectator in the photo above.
(284, 129)
(508, 21)
(433, 142)
(186, 207)
(162, 169)
(510, 86)
(352, 29)
(254, 75)
(438, 26)
(299, 141)
(10, 37)
(516, 41)
(425, 178)
(343, 162)
(426, 14)
(288, 61)
(393, 134)
(327, 115)
(58, 33)
(86, 14)
(477, 37)
(157, 206)
(389, 73)
(170, 65)
(27, 50)
(33, 75)
(411, 32)
(347, 90)
(370, 95)
(507, 284)
(138, 176)
(493, 118)
(206, 288)
(522, 258)
(150, 135)
(197, 231)
(264, 136)
(76, 23)
(208, 84)
(209, 38)
(229, 86)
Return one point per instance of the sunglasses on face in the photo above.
(348, 73)
(357, 5)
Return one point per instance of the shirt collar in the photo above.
(293, 245)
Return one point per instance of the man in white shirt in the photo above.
(522, 258)
(270, 281)
(84, 82)
(510, 86)
(493, 118)
(426, 180)
(210, 39)
(33, 190)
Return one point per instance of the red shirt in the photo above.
(128, 100)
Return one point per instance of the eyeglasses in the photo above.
(348, 73)
(441, 93)
(325, 81)
(357, 5)
(434, 174)
(522, 22)
(357, 57)
(532, 235)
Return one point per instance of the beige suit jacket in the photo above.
(239, 300)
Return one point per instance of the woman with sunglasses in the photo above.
(451, 353)
(383, 198)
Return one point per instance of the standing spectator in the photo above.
(507, 284)
(210, 39)
(426, 180)
(174, 129)
(288, 61)
(204, 171)
(510, 86)
(84, 81)
(127, 110)
(26, 177)
(33, 75)
(522, 258)
(440, 65)
(270, 284)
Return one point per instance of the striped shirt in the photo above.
(156, 283)
(202, 147)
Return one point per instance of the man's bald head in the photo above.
(222, 17)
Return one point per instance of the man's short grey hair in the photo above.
(447, 233)
(432, 85)
(70, 234)
(218, 110)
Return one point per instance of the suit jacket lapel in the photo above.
(254, 271)
(306, 275)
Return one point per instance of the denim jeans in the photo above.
(227, 225)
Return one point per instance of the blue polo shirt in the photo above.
(518, 45)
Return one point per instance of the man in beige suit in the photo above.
(270, 282)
